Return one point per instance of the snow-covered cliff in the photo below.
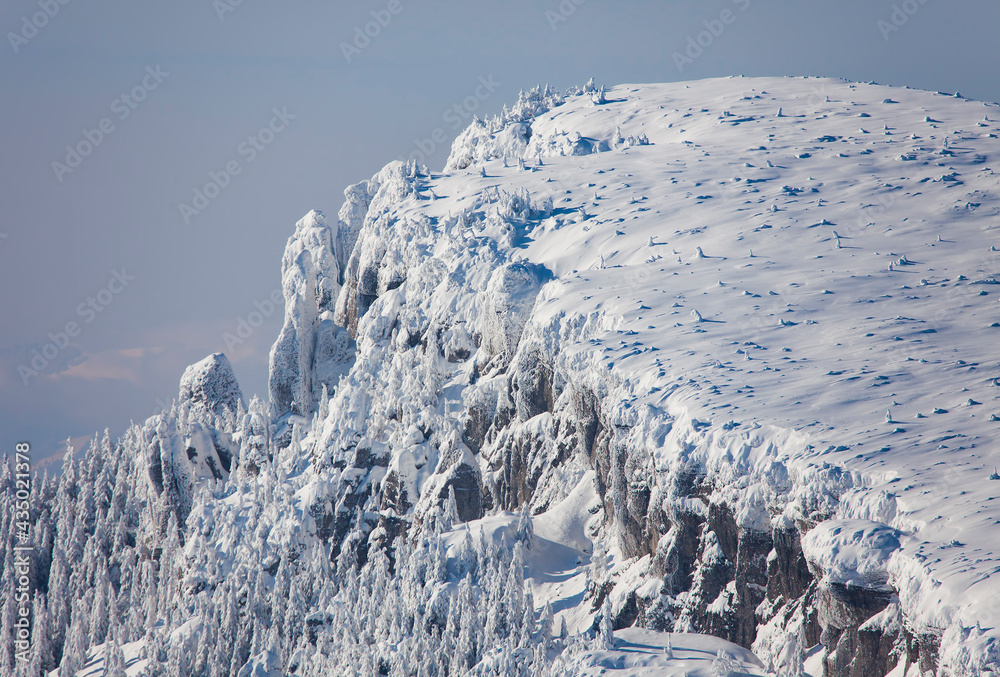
(713, 358)
(730, 309)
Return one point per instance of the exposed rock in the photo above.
(788, 574)
(922, 650)
(842, 611)
(364, 218)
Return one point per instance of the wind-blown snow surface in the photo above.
(790, 282)
(754, 306)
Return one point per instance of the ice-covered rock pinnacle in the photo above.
(211, 384)
(310, 283)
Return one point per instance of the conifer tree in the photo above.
(606, 634)
(324, 406)
(546, 622)
(114, 658)
(796, 654)
(74, 655)
(598, 569)
(58, 597)
(7, 629)
(449, 516)
(525, 528)
(295, 613)
(41, 642)
(99, 613)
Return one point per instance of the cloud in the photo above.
(127, 364)
(43, 358)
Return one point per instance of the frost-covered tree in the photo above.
(74, 655)
(100, 612)
(41, 642)
(114, 658)
(7, 629)
(546, 622)
(598, 569)
(449, 514)
(525, 528)
(606, 633)
(795, 652)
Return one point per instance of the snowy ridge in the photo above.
(647, 370)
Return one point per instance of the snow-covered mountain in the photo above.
(696, 378)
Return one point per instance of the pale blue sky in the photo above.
(208, 83)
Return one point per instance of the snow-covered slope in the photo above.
(716, 358)
(646, 653)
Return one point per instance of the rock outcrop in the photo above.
(311, 352)
(211, 385)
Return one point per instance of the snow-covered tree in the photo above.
(525, 528)
(114, 658)
(606, 632)
(41, 642)
(546, 622)
(74, 655)
(449, 515)
(598, 570)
